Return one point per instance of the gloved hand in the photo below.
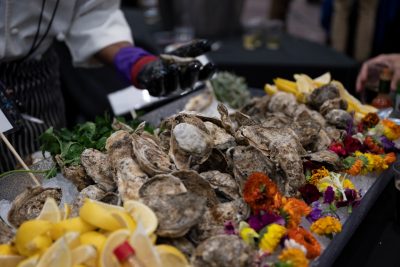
(164, 74)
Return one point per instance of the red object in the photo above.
(138, 67)
(382, 101)
(124, 251)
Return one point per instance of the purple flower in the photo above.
(353, 199)
(259, 221)
(315, 213)
(329, 195)
(386, 143)
(310, 193)
(229, 228)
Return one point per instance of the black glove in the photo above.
(177, 70)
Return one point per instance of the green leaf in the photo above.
(50, 142)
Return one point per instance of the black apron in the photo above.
(35, 86)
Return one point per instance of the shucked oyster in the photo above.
(150, 156)
(128, 173)
(162, 184)
(29, 203)
(223, 184)
(97, 166)
(191, 142)
(176, 214)
(223, 251)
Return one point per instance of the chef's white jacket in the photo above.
(86, 26)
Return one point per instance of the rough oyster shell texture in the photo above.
(163, 184)
(225, 186)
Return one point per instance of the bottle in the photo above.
(397, 101)
(126, 256)
(383, 100)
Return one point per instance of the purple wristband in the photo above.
(126, 57)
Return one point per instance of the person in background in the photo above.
(279, 10)
(390, 60)
(96, 33)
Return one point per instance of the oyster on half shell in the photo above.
(29, 203)
(176, 214)
(162, 184)
(223, 183)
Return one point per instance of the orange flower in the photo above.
(261, 193)
(356, 168)
(370, 120)
(318, 174)
(305, 238)
(390, 129)
(295, 209)
(390, 158)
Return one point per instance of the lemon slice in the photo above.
(70, 225)
(39, 244)
(50, 211)
(58, 254)
(144, 248)
(106, 206)
(141, 212)
(124, 219)
(107, 258)
(66, 212)
(7, 249)
(83, 254)
(29, 262)
(99, 216)
(10, 260)
(93, 238)
(27, 232)
(171, 257)
(323, 79)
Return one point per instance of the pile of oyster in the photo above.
(192, 169)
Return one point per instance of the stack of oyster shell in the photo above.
(192, 169)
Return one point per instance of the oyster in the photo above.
(213, 220)
(225, 119)
(196, 184)
(334, 133)
(322, 94)
(191, 142)
(29, 203)
(322, 142)
(129, 175)
(326, 157)
(216, 161)
(97, 166)
(162, 184)
(243, 119)
(224, 184)
(165, 139)
(75, 173)
(306, 128)
(336, 103)
(150, 156)
(6, 233)
(222, 139)
(223, 251)
(176, 213)
(257, 108)
(92, 192)
(283, 147)
(339, 118)
(283, 102)
(277, 120)
(181, 243)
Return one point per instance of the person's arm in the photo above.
(390, 60)
(107, 54)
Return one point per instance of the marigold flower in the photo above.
(270, 240)
(326, 226)
(293, 257)
(348, 184)
(390, 129)
(370, 120)
(373, 146)
(305, 238)
(295, 209)
(318, 174)
(390, 158)
(261, 193)
(355, 169)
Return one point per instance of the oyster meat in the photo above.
(176, 214)
(128, 173)
(98, 167)
(223, 251)
(223, 183)
(29, 203)
(162, 184)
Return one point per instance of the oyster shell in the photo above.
(326, 157)
(29, 203)
(222, 139)
(216, 161)
(223, 251)
(328, 105)
(213, 220)
(196, 184)
(224, 184)
(243, 119)
(6, 233)
(277, 120)
(129, 175)
(176, 213)
(338, 118)
(150, 156)
(191, 142)
(257, 108)
(98, 167)
(181, 243)
(75, 173)
(306, 128)
(283, 102)
(162, 184)
(225, 119)
(323, 141)
(322, 94)
(92, 192)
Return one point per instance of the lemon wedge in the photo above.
(70, 225)
(323, 79)
(10, 260)
(99, 216)
(58, 254)
(83, 254)
(50, 211)
(29, 262)
(107, 258)
(66, 212)
(93, 238)
(124, 219)
(141, 212)
(144, 248)
(27, 232)
(171, 257)
(7, 249)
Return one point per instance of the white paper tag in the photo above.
(5, 125)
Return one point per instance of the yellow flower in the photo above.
(272, 237)
(248, 235)
(293, 257)
(318, 175)
(390, 129)
(371, 162)
(348, 184)
(326, 226)
(379, 163)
